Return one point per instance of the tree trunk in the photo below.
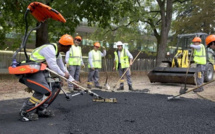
(166, 17)
(42, 34)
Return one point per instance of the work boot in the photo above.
(76, 88)
(131, 88)
(45, 113)
(198, 90)
(120, 88)
(25, 117)
(100, 87)
(89, 86)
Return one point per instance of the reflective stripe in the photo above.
(89, 83)
(74, 56)
(32, 101)
(35, 99)
(121, 81)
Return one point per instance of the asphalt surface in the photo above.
(135, 113)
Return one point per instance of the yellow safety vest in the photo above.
(199, 56)
(35, 55)
(97, 59)
(75, 55)
(123, 59)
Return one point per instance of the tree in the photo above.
(112, 14)
(195, 16)
(96, 12)
(159, 16)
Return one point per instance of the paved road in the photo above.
(135, 113)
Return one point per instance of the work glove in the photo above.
(29, 90)
(83, 66)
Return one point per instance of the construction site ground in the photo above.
(145, 110)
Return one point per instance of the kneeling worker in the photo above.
(45, 87)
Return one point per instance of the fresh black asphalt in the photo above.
(135, 113)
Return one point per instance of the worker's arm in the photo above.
(197, 47)
(90, 59)
(82, 62)
(67, 57)
(63, 68)
(104, 52)
(49, 54)
(61, 64)
(114, 64)
(130, 57)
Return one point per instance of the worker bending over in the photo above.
(94, 64)
(45, 87)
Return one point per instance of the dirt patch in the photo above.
(10, 88)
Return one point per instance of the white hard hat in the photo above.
(119, 43)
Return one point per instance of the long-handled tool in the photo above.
(84, 90)
(107, 87)
(177, 96)
(126, 71)
(184, 89)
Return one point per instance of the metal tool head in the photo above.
(183, 90)
(67, 97)
(109, 100)
(107, 87)
(173, 97)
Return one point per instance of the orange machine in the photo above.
(41, 12)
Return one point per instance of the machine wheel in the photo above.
(209, 73)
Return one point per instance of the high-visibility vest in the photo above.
(97, 59)
(200, 56)
(123, 59)
(75, 55)
(35, 55)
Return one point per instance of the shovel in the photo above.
(184, 89)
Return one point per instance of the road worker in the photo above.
(45, 87)
(74, 61)
(94, 64)
(200, 59)
(121, 63)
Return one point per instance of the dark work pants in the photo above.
(44, 92)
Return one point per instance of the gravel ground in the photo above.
(135, 113)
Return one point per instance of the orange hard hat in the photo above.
(97, 44)
(78, 37)
(66, 40)
(210, 39)
(197, 39)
